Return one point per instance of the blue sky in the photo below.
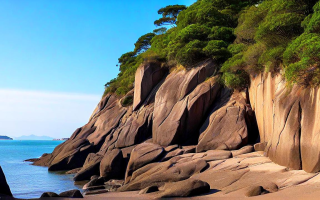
(55, 49)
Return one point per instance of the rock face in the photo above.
(181, 104)
(71, 194)
(226, 127)
(287, 121)
(112, 165)
(4, 187)
(143, 154)
(90, 167)
(153, 142)
(146, 78)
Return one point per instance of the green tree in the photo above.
(143, 43)
(160, 31)
(169, 15)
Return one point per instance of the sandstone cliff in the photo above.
(187, 108)
(287, 120)
(183, 121)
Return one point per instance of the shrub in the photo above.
(237, 80)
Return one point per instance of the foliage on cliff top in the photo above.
(203, 30)
(243, 36)
(274, 35)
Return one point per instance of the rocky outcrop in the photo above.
(49, 194)
(287, 121)
(176, 169)
(113, 165)
(181, 104)
(143, 154)
(71, 194)
(4, 187)
(226, 126)
(146, 78)
(154, 141)
(185, 188)
(90, 167)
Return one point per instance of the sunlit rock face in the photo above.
(187, 108)
(287, 120)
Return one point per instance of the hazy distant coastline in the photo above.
(33, 137)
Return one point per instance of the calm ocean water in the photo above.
(28, 181)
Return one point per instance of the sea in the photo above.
(28, 181)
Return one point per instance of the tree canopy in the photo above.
(275, 35)
(244, 37)
(169, 15)
(143, 43)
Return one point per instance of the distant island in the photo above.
(2, 137)
(61, 139)
(33, 137)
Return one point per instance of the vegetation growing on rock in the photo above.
(203, 30)
(243, 37)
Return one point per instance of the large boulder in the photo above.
(71, 194)
(113, 165)
(49, 194)
(4, 187)
(136, 129)
(176, 169)
(185, 188)
(147, 76)
(181, 103)
(143, 154)
(226, 127)
(90, 167)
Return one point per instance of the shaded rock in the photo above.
(113, 165)
(189, 149)
(4, 187)
(157, 174)
(143, 154)
(243, 150)
(252, 191)
(94, 177)
(73, 171)
(216, 155)
(49, 194)
(90, 167)
(136, 129)
(185, 188)
(94, 188)
(94, 182)
(127, 151)
(149, 189)
(172, 154)
(147, 76)
(226, 127)
(42, 161)
(100, 191)
(71, 194)
(260, 146)
(171, 148)
(113, 185)
(181, 103)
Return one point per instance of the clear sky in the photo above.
(56, 56)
